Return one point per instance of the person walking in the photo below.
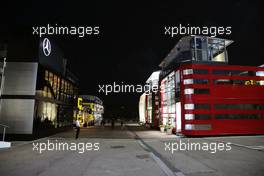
(122, 124)
(103, 123)
(113, 123)
(77, 128)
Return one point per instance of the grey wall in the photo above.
(20, 78)
(17, 108)
(18, 115)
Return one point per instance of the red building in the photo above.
(200, 94)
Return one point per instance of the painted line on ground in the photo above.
(249, 147)
(165, 165)
(259, 148)
(162, 165)
(233, 137)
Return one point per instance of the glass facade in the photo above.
(149, 108)
(169, 99)
(55, 100)
(209, 49)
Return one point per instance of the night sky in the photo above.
(132, 43)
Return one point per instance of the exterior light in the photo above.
(188, 91)
(189, 106)
(189, 127)
(187, 71)
(189, 116)
(187, 81)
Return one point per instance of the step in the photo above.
(4, 144)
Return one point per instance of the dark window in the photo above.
(201, 91)
(200, 81)
(202, 106)
(238, 116)
(202, 117)
(240, 106)
(200, 71)
(234, 72)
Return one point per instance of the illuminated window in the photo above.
(189, 106)
(47, 111)
(58, 88)
(187, 71)
(46, 75)
(45, 92)
(189, 116)
(49, 93)
(189, 127)
(187, 81)
(62, 85)
(188, 91)
(66, 86)
(51, 78)
(55, 84)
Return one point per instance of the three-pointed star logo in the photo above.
(46, 46)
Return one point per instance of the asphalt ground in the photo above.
(134, 150)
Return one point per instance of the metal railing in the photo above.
(4, 126)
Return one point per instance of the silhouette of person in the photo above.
(77, 128)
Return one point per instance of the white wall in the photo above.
(142, 108)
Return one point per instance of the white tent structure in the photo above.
(142, 108)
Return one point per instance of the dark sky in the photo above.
(132, 43)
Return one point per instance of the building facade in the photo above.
(38, 92)
(201, 94)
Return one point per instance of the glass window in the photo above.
(51, 78)
(200, 71)
(238, 116)
(62, 85)
(71, 89)
(240, 106)
(201, 49)
(202, 106)
(169, 94)
(66, 87)
(200, 81)
(46, 75)
(216, 50)
(201, 91)
(62, 96)
(45, 91)
(202, 116)
(55, 84)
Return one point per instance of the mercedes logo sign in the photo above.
(46, 47)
